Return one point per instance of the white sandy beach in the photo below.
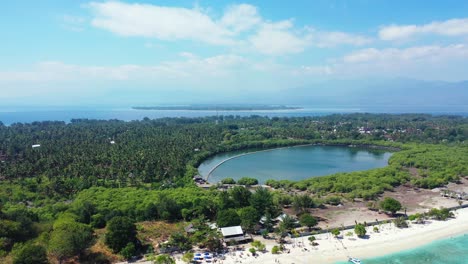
(330, 250)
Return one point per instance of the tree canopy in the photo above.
(30, 254)
(308, 220)
(390, 204)
(360, 230)
(228, 217)
(68, 237)
(120, 231)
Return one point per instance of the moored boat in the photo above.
(354, 260)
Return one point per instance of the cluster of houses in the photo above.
(364, 130)
(454, 195)
(231, 234)
(236, 233)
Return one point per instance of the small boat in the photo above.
(354, 260)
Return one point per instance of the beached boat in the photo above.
(354, 260)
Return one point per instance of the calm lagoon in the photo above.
(293, 163)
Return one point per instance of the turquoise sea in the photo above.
(448, 251)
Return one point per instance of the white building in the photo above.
(233, 233)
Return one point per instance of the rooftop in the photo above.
(232, 231)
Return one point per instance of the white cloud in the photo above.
(222, 75)
(332, 39)
(313, 70)
(283, 38)
(166, 23)
(241, 17)
(431, 62)
(362, 55)
(369, 62)
(229, 73)
(188, 55)
(53, 71)
(239, 25)
(390, 55)
(278, 38)
(451, 27)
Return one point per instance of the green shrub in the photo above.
(247, 181)
(400, 222)
(440, 214)
(228, 181)
(360, 230)
(335, 232)
(128, 251)
(333, 200)
(120, 232)
(30, 254)
(275, 250)
(390, 204)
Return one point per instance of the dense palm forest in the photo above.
(57, 176)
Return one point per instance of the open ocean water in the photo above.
(447, 251)
(26, 115)
(11, 114)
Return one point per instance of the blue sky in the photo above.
(91, 52)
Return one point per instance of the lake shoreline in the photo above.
(353, 145)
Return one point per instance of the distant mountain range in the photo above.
(395, 92)
(374, 95)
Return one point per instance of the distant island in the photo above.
(218, 107)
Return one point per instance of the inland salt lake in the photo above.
(292, 163)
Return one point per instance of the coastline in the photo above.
(388, 240)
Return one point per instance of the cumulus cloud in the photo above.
(239, 25)
(278, 38)
(451, 27)
(313, 70)
(222, 74)
(241, 17)
(219, 65)
(166, 23)
(434, 61)
(430, 62)
(332, 39)
(390, 55)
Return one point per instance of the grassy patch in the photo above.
(100, 249)
(155, 232)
